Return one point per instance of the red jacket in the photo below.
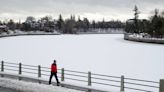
(54, 68)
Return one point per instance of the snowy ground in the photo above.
(143, 36)
(21, 86)
(104, 53)
(18, 32)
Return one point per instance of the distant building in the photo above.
(3, 28)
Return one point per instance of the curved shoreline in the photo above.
(27, 34)
(126, 37)
(144, 40)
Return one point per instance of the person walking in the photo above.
(54, 72)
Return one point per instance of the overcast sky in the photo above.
(92, 9)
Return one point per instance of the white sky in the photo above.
(92, 9)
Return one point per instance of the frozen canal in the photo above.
(106, 54)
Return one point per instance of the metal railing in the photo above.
(88, 78)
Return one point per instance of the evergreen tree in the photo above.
(26, 27)
(60, 24)
(79, 23)
(70, 25)
(86, 24)
(93, 24)
(156, 24)
(0, 23)
(11, 25)
(136, 15)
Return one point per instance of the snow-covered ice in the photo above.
(107, 54)
(21, 86)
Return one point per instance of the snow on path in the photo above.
(22, 86)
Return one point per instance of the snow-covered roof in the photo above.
(3, 26)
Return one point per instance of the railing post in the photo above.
(2, 66)
(122, 84)
(20, 70)
(89, 79)
(62, 74)
(39, 71)
(161, 88)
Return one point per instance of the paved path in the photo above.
(6, 90)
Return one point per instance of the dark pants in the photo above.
(56, 77)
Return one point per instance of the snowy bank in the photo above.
(70, 85)
(142, 38)
(31, 87)
(21, 33)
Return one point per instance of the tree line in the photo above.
(65, 26)
(154, 26)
